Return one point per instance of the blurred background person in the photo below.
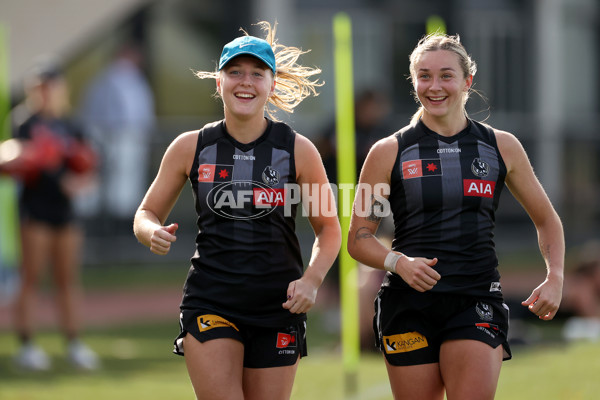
(55, 166)
(118, 112)
(371, 122)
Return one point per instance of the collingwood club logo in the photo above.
(480, 168)
(270, 176)
(485, 311)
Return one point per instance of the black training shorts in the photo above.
(411, 326)
(264, 347)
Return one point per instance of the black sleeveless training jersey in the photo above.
(247, 251)
(444, 194)
(45, 199)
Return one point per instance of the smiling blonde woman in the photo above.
(441, 322)
(243, 313)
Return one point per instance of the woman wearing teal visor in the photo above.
(243, 313)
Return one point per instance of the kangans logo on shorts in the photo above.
(480, 168)
(210, 321)
(244, 200)
(404, 342)
(485, 311)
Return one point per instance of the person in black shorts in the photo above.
(246, 295)
(49, 231)
(440, 319)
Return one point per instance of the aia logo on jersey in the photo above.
(244, 200)
(420, 168)
(215, 173)
(479, 188)
(286, 340)
(267, 197)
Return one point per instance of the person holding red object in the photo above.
(51, 176)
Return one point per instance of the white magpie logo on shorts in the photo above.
(485, 311)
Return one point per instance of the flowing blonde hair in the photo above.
(294, 82)
(435, 42)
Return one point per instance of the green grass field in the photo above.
(137, 364)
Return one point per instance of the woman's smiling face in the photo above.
(440, 84)
(245, 85)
